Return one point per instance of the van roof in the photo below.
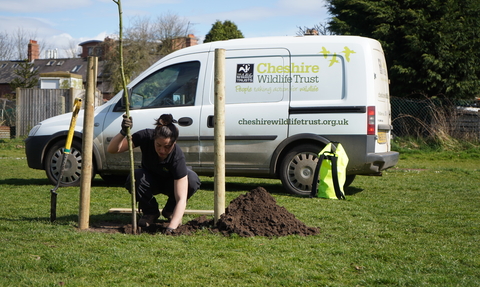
(270, 42)
(263, 42)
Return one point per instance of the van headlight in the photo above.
(34, 130)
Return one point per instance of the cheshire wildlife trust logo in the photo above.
(245, 73)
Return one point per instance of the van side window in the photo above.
(174, 85)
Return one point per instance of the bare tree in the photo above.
(14, 46)
(144, 42)
(140, 50)
(168, 29)
(318, 29)
(72, 49)
(6, 50)
(44, 45)
(141, 44)
(20, 43)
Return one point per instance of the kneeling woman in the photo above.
(163, 170)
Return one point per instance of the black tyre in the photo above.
(349, 180)
(73, 167)
(297, 168)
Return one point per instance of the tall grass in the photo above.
(437, 122)
(418, 225)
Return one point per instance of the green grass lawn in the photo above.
(417, 225)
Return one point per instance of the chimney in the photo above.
(191, 40)
(33, 51)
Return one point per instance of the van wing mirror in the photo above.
(122, 100)
(130, 95)
(121, 104)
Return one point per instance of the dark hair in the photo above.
(165, 127)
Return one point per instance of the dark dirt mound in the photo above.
(255, 213)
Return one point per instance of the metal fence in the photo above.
(7, 112)
(434, 117)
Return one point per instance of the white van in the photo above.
(286, 97)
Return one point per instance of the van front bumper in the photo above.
(34, 150)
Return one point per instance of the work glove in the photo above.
(168, 231)
(127, 123)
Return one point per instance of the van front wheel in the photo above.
(73, 166)
(297, 168)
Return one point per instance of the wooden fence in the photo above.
(36, 105)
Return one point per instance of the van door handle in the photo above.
(210, 121)
(185, 121)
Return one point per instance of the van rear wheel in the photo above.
(297, 168)
(349, 180)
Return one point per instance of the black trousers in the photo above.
(147, 185)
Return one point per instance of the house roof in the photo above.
(77, 66)
(90, 42)
(73, 65)
(7, 69)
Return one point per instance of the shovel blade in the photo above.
(53, 206)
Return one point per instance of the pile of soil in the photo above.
(255, 213)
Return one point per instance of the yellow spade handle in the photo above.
(76, 108)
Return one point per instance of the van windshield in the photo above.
(174, 85)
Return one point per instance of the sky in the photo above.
(60, 23)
